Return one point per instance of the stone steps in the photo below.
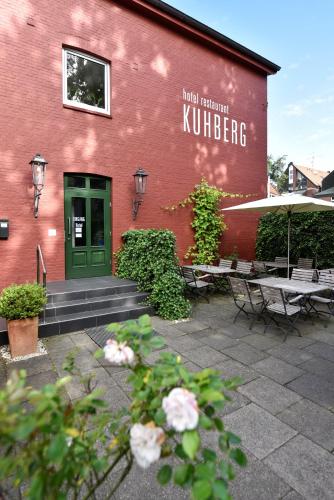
(74, 305)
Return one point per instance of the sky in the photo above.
(298, 35)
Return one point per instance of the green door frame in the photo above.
(87, 226)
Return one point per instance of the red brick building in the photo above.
(101, 88)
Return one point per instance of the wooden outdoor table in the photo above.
(211, 269)
(279, 265)
(294, 286)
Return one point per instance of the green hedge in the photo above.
(312, 236)
(149, 258)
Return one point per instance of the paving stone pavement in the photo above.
(283, 410)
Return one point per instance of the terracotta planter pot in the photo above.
(23, 335)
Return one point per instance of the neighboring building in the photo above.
(305, 180)
(327, 188)
(101, 88)
(272, 190)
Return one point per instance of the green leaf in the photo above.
(220, 490)
(157, 342)
(239, 457)
(209, 455)
(205, 422)
(233, 439)
(36, 488)
(219, 424)
(209, 411)
(226, 471)
(180, 452)
(205, 471)
(211, 395)
(165, 474)
(160, 417)
(57, 449)
(201, 490)
(190, 443)
(182, 474)
(99, 354)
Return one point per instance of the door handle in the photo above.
(69, 226)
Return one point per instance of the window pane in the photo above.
(79, 222)
(98, 184)
(97, 221)
(85, 81)
(76, 182)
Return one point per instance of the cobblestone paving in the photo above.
(283, 411)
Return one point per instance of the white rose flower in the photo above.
(118, 353)
(145, 443)
(181, 409)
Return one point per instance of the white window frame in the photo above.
(81, 105)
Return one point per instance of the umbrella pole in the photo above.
(289, 219)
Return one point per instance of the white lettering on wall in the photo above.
(243, 134)
(186, 126)
(198, 121)
(217, 127)
(234, 131)
(207, 124)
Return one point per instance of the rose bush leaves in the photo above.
(56, 448)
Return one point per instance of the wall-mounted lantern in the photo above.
(140, 178)
(38, 165)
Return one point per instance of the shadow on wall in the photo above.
(150, 68)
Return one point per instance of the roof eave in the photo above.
(225, 44)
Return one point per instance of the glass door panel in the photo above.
(97, 222)
(78, 222)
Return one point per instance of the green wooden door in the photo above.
(87, 226)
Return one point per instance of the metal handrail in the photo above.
(39, 258)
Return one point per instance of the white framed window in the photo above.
(291, 174)
(86, 81)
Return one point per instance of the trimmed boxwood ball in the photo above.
(22, 301)
(148, 257)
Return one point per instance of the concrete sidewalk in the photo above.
(284, 411)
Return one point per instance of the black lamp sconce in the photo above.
(38, 166)
(140, 178)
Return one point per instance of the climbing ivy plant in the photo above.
(208, 222)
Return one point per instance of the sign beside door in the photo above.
(87, 226)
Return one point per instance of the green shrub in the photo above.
(22, 301)
(146, 256)
(311, 236)
(168, 297)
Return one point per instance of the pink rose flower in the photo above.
(181, 409)
(118, 353)
(145, 443)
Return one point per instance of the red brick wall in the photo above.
(151, 65)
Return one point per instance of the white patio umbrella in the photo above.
(285, 204)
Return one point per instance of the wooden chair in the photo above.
(304, 274)
(260, 269)
(281, 260)
(247, 302)
(325, 278)
(196, 286)
(225, 263)
(244, 268)
(304, 263)
(275, 305)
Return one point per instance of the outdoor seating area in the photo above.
(262, 295)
